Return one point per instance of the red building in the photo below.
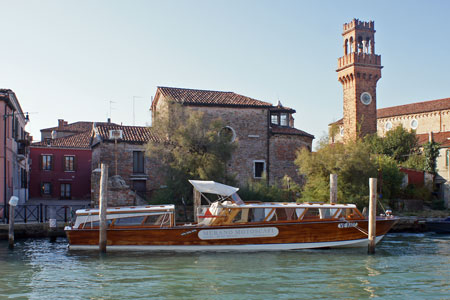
(61, 167)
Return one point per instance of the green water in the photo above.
(405, 266)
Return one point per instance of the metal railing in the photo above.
(42, 213)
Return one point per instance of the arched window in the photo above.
(228, 134)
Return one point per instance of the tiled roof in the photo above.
(205, 97)
(409, 109)
(80, 126)
(414, 108)
(289, 130)
(442, 138)
(79, 141)
(130, 134)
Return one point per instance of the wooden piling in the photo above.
(372, 215)
(197, 203)
(11, 227)
(12, 204)
(333, 188)
(103, 201)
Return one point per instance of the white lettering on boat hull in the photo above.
(347, 225)
(237, 233)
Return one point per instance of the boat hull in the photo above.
(250, 237)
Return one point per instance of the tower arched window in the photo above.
(360, 45)
(351, 44)
(346, 47)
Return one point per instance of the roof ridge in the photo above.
(189, 89)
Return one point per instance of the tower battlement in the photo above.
(358, 24)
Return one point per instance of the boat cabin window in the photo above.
(158, 220)
(131, 221)
(349, 213)
(311, 213)
(95, 224)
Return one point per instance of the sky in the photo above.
(91, 60)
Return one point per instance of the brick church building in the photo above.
(266, 138)
(359, 69)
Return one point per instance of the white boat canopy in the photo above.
(212, 187)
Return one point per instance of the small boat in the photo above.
(439, 226)
(228, 223)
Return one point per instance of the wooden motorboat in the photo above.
(227, 224)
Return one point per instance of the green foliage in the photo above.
(431, 153)
(351, 162)
(416, 162)
(192, 148)
(285, 191)
(398, 143)
(354, 164)
(391, 178)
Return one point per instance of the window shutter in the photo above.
(74, 163)
(41, 157)
(51, 188)
(52, 163)
(64, 163)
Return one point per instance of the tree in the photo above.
(354, 164)
(431, 153)
(398, 143)
(192, 147)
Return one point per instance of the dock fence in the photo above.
(41, 213)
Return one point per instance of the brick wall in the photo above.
(283, 151)
(105, 153)
(250, 126)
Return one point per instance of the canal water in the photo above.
(405, 266)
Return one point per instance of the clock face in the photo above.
(366, 98)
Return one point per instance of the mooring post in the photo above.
(12, 204)
(103, 205)
(372, 215)
(197, 203)
(333, 188)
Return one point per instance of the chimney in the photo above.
(430, 137)
(61, 123)
(109, 120)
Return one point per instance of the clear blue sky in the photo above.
(68, 59)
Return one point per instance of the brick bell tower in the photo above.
(358, 71)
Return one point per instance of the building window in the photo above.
(47, 162)
(228, 134)
(23, 178)
(69, 163)
(414, 124)
(388, 126)
(259, 167)
(65, 191)
(138, 162)
(274, 119)
(284, 120)
(46, 188)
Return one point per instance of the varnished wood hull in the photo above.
(268, 236)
